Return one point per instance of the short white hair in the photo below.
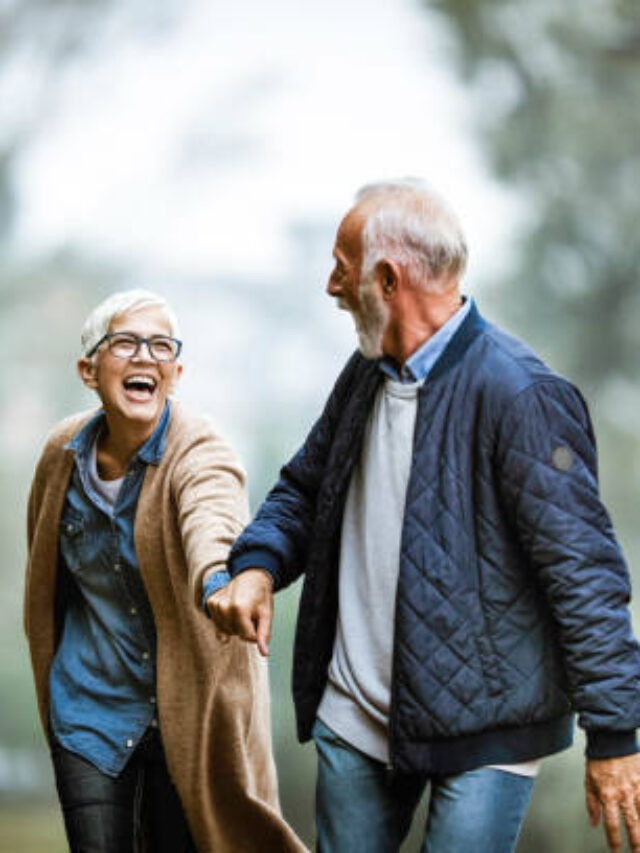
(413, 225)
(97, 323)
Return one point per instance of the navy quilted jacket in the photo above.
(512, 596)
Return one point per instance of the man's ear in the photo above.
(87, 371)
(388, 275)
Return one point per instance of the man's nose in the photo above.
(333, 288)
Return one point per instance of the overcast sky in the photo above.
(182, 157)
(193, 151)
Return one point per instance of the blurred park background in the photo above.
(207, 150)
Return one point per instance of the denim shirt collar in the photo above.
(151, 451)
(418, 366)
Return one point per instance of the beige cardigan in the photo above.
(213, 697)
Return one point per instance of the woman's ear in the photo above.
(87, 371)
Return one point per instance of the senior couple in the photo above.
(464, 594)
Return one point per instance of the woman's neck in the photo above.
(117, 445)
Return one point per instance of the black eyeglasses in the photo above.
(127, 345)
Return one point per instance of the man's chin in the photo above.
(135, 411)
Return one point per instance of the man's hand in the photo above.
(613, 788)
(245, 607)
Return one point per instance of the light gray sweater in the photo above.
(356, 702)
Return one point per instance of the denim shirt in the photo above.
(102, 681)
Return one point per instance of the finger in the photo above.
(635, 845)
(263, 630)
(232, 618)
(632, 821)
(244, 627)
(593, 807)
(220, 614)
(612, 826)
(212, 603)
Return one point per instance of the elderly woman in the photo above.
(159, 732)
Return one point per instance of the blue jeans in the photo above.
(360, 805)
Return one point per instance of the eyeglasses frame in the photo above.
(140, 341)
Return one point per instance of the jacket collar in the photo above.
(471, 327)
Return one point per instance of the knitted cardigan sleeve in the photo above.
(209, 489)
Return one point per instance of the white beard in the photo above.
(371, 320)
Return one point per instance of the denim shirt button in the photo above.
(129, 743)
(145, 655)
(133, 611)
(152, 699)
(116, 567)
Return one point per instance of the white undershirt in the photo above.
(107, 489)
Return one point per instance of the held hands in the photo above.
(613, 788)
(245, 607)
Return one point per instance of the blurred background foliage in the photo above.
(555, 90)
(552, 91)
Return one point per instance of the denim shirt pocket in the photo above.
(72, 539)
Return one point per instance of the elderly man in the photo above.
(464, 592)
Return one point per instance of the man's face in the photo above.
(133, 389)
(359, 296)
(344, 281)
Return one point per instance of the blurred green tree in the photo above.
(556, 88)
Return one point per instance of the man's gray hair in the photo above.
(97, 323)
(413, 225)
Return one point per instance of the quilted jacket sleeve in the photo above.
(547, 471)
(277, 538)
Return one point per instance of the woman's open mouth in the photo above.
(140, 387)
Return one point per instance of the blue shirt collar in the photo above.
(418, 366)
(151, 451)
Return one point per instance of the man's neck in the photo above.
(427, 316)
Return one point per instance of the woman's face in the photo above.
(133, 390)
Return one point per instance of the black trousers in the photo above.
(137, 812)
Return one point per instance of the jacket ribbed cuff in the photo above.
(602, 744)
(256, 558)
